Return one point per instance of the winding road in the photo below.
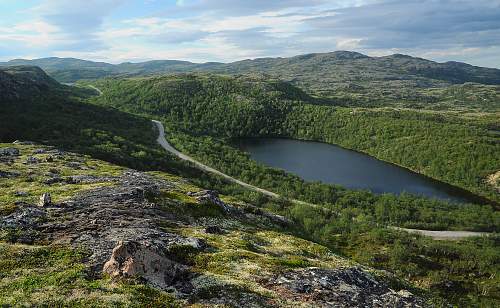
(94, 88)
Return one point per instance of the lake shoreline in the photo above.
(469, 196)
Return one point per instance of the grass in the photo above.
(57, 276)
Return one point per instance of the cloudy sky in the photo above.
(227, 30)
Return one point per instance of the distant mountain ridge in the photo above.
(451, 72)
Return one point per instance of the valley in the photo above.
(237, 226)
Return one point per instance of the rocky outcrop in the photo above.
(345, 287)
(96, 220)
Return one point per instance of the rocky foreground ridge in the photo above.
(189, 245)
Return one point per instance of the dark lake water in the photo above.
(314, 161)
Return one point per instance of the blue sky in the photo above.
(228, 30)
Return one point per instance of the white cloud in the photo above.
(228, 30)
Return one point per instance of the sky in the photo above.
(118, 31)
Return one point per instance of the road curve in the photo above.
(164, 143)
(95, 88)
(443, 235)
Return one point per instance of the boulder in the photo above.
(45, 200)
(134, 259)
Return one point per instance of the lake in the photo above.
(315, 161)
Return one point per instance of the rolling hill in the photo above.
(348, 78)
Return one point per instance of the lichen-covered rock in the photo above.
(25, 217)
(21, 193)
(9, 152)
(209, 196)
(53, 180)
(345, 287)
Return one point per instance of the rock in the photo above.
(45, 200)
(32, 160)
(49, 159)
(214, 230)
(39, 151)
(134, 259)
(25, 217)
(209, 196)
(21, 194)
(9, 152)
(8, 175)
(344, 287)
(53, 180)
